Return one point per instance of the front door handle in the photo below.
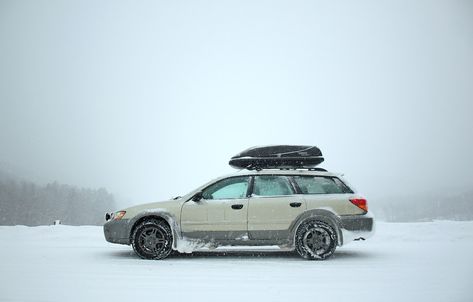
(295, 204)
(237, 206)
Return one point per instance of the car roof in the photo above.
(284, 172)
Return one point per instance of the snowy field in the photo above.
(402, 262)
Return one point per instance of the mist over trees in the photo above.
(455, 205)
(26, 203)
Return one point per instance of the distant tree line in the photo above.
(26, 203)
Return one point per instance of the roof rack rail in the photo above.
(305, 168)
(318, 169)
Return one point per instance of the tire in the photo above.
(315, 240)
(152, 239)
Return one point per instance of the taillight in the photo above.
(361, 203)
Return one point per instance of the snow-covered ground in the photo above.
(402, 262)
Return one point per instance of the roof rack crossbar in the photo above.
(258, 168)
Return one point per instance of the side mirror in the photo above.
(197, 197)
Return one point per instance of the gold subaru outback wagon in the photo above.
(283, 203)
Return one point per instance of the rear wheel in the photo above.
(152, 239)
(315, 240)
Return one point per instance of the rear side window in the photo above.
(321, 185)
(269, 185)
(344, 187)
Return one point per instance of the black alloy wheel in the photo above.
(152, 239)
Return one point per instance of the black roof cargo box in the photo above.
(277, 157)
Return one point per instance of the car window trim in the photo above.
(249, 192)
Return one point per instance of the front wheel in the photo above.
(152, 239)
(315, 240)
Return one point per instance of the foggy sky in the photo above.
(150, 99)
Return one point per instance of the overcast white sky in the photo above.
(151, 98)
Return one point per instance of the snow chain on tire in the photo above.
(152, 239)
(315, 240)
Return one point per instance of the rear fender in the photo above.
(322, 215)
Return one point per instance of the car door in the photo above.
(273, 206)
(221, 213)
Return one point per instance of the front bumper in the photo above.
(356, 227)
(117, 231)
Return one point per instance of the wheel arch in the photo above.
(163, 216)
(322, 215)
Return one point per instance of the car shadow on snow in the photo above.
(340, 255)
(241, 254)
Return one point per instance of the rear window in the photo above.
(321, 185)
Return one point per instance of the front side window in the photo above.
(320, 185)
(269, 185)
(230, 188)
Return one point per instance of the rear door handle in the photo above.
(295, 204)
(237, 206)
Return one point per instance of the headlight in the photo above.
(114, 216)
(118, 215)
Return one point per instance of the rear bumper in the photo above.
(117, 231)
(356, 227)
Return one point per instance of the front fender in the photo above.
(170, 218)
